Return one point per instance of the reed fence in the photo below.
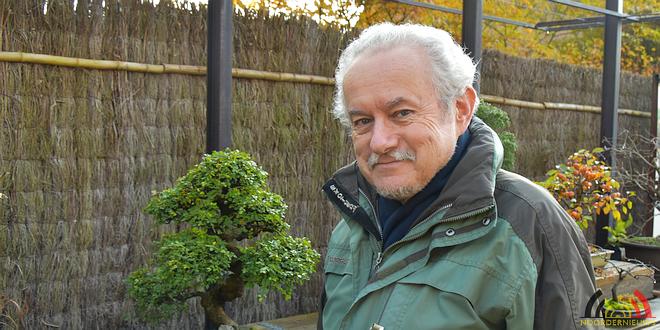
(82, 149)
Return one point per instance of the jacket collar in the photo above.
(470, 187)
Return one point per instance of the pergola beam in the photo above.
(591, 22)
(607, 11)
(460, 12)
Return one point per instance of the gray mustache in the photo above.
(397, 154)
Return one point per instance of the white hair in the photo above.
(453, 71)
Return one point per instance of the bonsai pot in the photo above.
(649, 254)
(623, 318)
(599, 256)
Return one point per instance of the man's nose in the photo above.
(383, 138)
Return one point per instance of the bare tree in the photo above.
(638, 168)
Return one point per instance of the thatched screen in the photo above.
(548, 137)
(84, 149)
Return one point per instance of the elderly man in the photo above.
(433, 234)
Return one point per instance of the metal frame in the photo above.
(650, 226)
(218, 90)
(590, 22)
(220, 52)
(607, 11)
(610, 100)
(613, 20)
(471, 34)
(460, 12)
(548, 26)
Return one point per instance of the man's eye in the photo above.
(361, 122)
(403, 113)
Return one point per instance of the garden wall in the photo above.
(84, 149)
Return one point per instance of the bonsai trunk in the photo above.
(215, 298)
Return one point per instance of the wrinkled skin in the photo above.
(393, 106)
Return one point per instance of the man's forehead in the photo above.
(403, 55)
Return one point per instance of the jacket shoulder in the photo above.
(517, 189)
(534, 214)
(340, 234)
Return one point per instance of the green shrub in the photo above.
(499, 121)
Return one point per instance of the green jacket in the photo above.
(493, 251)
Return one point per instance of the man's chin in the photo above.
(400, 193)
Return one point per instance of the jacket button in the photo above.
(450, 232)
(486, 221)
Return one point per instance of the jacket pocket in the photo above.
(339, 291)
(449, 296)
(338, 261)
(423, 306)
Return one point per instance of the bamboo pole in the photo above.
(99, 64)
(281, 76)
(557, 106)
(156, 68)
(264, 75)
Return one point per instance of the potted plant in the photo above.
(234, 236)
(638, 167)
(624, 306)
(645, 249)
(625, 309)
(585, 188)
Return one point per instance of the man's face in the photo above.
(401, 134)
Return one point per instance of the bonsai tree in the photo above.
(234, 237)
(638, 167)
(584, 187)
(626, 305)
(499, 121)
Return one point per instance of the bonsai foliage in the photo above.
(222, 201)
(499, 121)
(643, 240)
(584, 187)
(278, 264)
(626, 302)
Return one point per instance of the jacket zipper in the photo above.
(379, 256)
(452, 219)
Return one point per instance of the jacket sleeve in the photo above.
(565, 275)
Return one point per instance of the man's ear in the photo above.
(465, 109)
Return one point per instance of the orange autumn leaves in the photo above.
(584, 187)
(585, 47)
